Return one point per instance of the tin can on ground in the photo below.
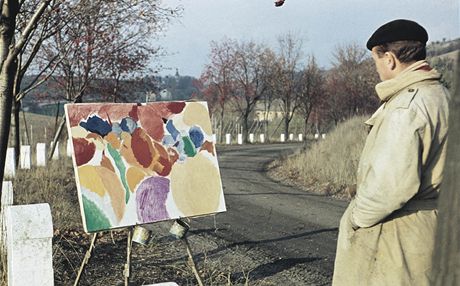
(141, 235)
(179, 228)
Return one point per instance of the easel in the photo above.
(126, 272)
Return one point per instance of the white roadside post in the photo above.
(323, 135)
(316, 136)
(240, 139)
(7, 200)
(24, 158)
(10, 164)
(29, 241)
(55, 156)
(291, 137)
(262, 138)
(251, 138)
(228, 139)
(300, 137)
(41, 154)
(283, 137)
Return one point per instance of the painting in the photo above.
(143, 163)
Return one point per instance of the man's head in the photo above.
(396, 45)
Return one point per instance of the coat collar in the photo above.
(417, 72)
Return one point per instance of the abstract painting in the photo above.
(143, 163)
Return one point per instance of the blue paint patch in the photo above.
(168, 140)
(128, 125)
(116, 128)
(97, 125)
(196, 135)
(172, 129)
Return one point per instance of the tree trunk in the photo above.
(7, 72)
(286, 125)
(16, 130)
(446, 262)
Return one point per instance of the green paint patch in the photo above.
(95, 218)
(121, 168)
(189, 148)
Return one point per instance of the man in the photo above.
(386, 235)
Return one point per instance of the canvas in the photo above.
(142, 163)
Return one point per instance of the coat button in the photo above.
(411, 90)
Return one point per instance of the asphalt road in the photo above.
(296, 229)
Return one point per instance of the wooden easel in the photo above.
(126, 271)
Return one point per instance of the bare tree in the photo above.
(289, 77)
(11, 45)
(311, 88)
(107, 39)
(249, 80)
(216, 78)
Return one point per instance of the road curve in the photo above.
(295, 228)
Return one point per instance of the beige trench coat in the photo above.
(386, 235)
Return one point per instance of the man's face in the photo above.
(382, 65)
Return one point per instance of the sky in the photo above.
(322, 25)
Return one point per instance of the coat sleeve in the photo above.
(391, 172)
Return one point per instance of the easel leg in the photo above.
(85, 259)
(126, 272)
(192, 262)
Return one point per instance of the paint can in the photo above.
(141, 235)
(179, 229)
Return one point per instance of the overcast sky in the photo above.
(321, 24)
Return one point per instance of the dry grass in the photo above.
(328, 166)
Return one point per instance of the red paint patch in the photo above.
(84, 150)
(151, 119)
(141, 147)
(133, 113)
(166, 167)
(176, 107)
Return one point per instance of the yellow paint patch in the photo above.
(101, 181)
(79, 132)
(90, 180)
(196, 186)
(134, 176)
(196, 113)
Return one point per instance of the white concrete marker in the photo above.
(316, 136)
(291, 137)
(69, 149)
(262, 138)
(251, 137)
(25, 157)
(55, 156)
(7, 200)
(300, 137)
(323, 136)
(283, 137)
(228, 139)
(29, 238)
(10, 164)
(41, 154)
(240, 139)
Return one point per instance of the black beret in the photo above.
(398, 30)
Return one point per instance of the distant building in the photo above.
(165, 95)
(275, 111)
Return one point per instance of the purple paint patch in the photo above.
(151, 199)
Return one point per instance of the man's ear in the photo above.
(390, 60)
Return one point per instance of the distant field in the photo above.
(40, 128)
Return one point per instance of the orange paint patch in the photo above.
(134, 176)
(112, 138)
(208, 146)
